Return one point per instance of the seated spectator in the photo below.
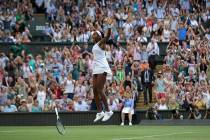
(70, 106)
(81, 105)
(153, 114)
(173, 105)
(35, 107)
(128, 106)
(30, 102)
(113, 103)
(176, 114)
(23, 106)
(162, 105)
(64, 102)
(3, 95)
(207, 114)
(199, 103)
(9, 107)
(194, 114)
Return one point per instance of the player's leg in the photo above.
(96, 95)
(101, 80)
(100, 113)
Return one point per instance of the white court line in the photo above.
(8, 131)
(151, 136)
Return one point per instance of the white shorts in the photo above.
(128, 110)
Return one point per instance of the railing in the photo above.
(75, 118)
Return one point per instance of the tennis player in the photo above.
(101, 71)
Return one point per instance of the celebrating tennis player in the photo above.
(101, 71)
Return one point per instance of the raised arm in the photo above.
(102, 42)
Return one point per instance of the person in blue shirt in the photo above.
(128, 105)
(182, 32)
(36, 107)
(9, 107)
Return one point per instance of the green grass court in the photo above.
(107, 133)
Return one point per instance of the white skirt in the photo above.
(99, 70)
(128, 110)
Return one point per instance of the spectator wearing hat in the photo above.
(23, 106)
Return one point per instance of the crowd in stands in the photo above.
(15, 16)
(62, 77)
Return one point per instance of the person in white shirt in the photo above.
(193, 22)
(26, 70)
(153, 48)
(174, 23)
(69, 86)
(128, 26)
(83, 37)
(202, 76)
(101, 72)
(162, 105)
(206, 98)
(92, 11)
(153, 51)
(113, 103)
(166, 34)
(41, 96)
(174, 11)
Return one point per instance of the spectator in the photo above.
(153, 51)
(64, 102)
(9, 107)
(81, 105)
(35, 107)
(69, 87)
(128, 106)
(23, 106)
(30, 102)
(195, 114)
(41, 96)
(147, 78)
(176, 114)
(160, 85)
(162, 105)
(113, 103)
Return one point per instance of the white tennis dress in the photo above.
(100, 63)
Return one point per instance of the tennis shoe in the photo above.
(107, 116)
(99, 116)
